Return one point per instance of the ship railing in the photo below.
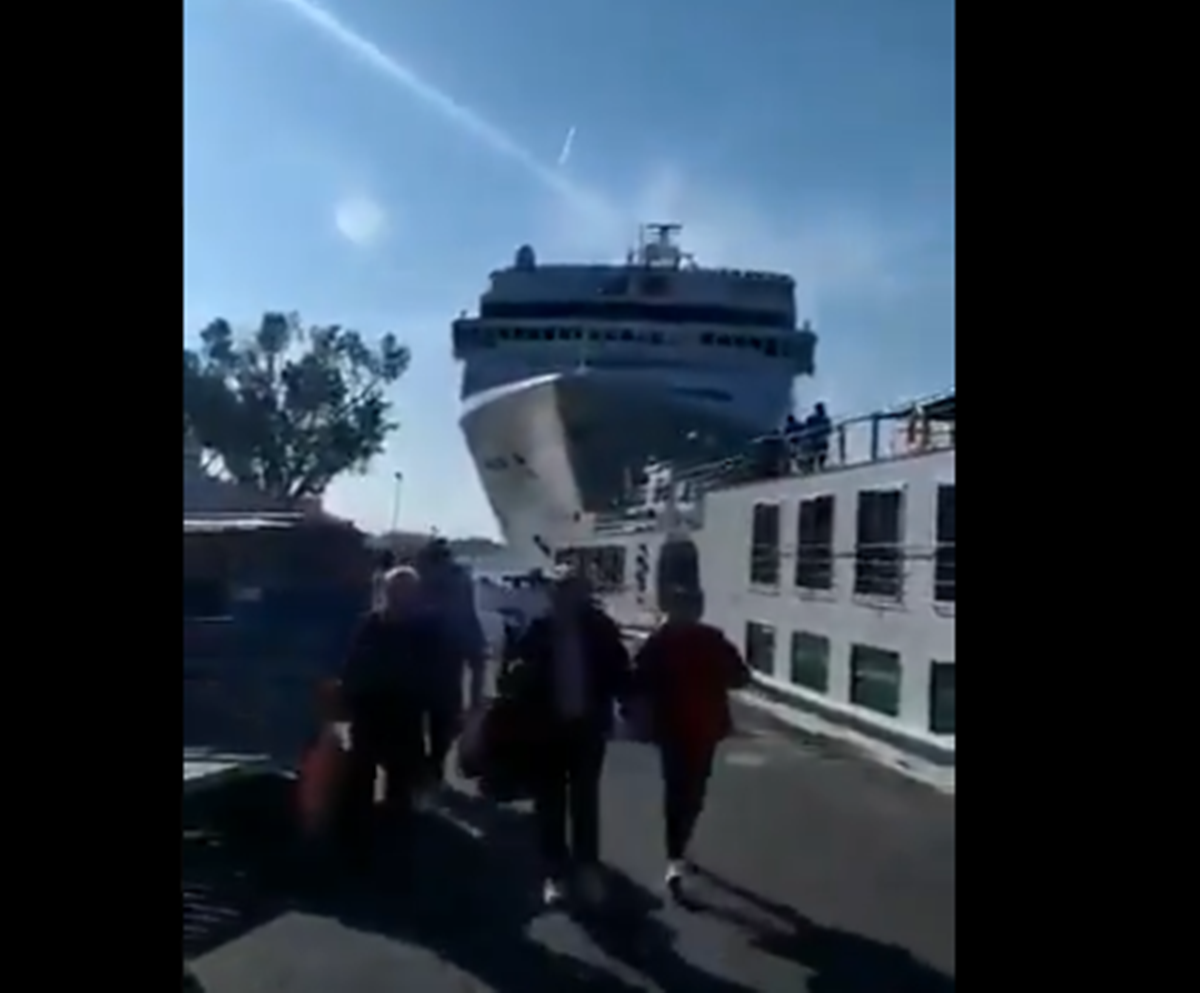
(912, 429)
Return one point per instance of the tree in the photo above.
(288, 409)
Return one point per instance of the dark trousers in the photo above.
(567, 798)
(685, 774)
(437, 726)
(383, 735)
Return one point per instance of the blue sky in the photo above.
(370, 161)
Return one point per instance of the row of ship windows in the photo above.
(487, 337)
(876, 674)
(610, 309)
(879, 550)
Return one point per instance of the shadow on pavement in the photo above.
(468, 890)
(465, 887)
(625, 930)
(840, 961)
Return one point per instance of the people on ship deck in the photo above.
(816, 431)
(792, 430)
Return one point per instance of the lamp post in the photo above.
(398, 478)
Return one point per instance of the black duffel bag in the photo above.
(496, 752)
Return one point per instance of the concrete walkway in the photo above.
(821, 873)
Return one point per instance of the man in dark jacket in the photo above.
(574, 669)
(381, 687)
(448, 594)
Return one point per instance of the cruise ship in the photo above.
(576, 376)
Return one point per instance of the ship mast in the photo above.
(658, 249)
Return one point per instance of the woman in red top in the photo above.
(683, 674)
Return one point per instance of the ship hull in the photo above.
(553, 449)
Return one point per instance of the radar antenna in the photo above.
(657, 248)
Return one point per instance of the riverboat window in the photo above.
(706, 338)
(772, 346)
(760, 647)
(764, 545)
(943, 565)
(875, 679)
(878, 550)
(941, 698)
(810, 661)
(814, 543)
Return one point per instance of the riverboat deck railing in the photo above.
(915, 428)
(912, 429)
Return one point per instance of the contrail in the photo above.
(450, 109)
(566, 148)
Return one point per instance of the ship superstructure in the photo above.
(575, 375)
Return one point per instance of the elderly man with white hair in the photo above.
(383, 686)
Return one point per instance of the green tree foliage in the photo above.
(287, 409)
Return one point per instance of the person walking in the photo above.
(448, 595)
(573, 669)
(380, 693)
(682, 677)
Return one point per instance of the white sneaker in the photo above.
(552, 893)
(591, 885)
(675, 875)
